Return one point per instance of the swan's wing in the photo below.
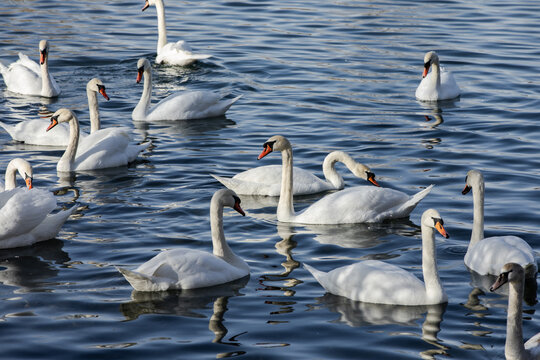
(185, 105)
(22, 79)
(449, 86)
(533, 346)
(34, 132)
(25, 61)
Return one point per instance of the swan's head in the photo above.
(142, 65)
(429, 59)
(364, 172)
(43, 51)
(96, 85)
(227, 197)
(509, 273)
(24, 168)
(275, 143)
(147, 3)
(60, 116)
(433, 219)
(474, 178)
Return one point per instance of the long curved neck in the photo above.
(514, 348)
(285, 209)
(11, 173)
(329, 169)
(46, 82)
(436, 75)
(477, 233)
(141, 110)
(66, 162)
(434, 290)
(162, 26)
(95, 121)
(221, 248)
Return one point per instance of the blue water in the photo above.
(329, 75)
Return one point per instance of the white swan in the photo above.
(514, 349)
(359, 204)
(437, 85)
(188, 268)
(25, 213)
(33, 132)
(27, 77)
(378, 282)
(105, 148)
(178, 53)
(179, 106)
(488, 255)
(266, 180)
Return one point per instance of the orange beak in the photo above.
(146, 5)
(426, 69)
(53, 123)
(441, 230)
(267, 150)
(466, 189)
(102, 92)
(42, 55)
(28, 181)
(139, 75)
(371, 179)
(238, 208)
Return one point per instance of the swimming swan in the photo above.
(188, 268)
(26, 77)
(439, 84)
(359, 204)
(178, 53)
(488, 255)
(179, 106)
(375, 281)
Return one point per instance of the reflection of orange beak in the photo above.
(267, 150)
(139, 75)
(146, 5)
(53, 123)
(238, 208)
(371, 179)
(29, 182)
(466, 189)
(441, 230)
(426, 69)
(42, 57)
(102, 92)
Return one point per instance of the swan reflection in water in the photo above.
(184, 128)
(484, 283)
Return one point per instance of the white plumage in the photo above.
(439, 84)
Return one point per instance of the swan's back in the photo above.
(23, 76)
(449, 88)
(33, 132)
(178, 53)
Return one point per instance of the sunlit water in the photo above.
(328, 75)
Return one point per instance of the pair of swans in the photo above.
(378, 282)
(266, 180)
(26, 77)
(486, 256)
(25, 213)
(188, 268)
(178, 53)
(32, 131)
(359, 204)
(439, 84)
(179, 106)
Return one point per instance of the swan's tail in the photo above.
(229, 183)
(228, 103)
(138, 281)
(200, 56)
(3, 70)
(407, 207)
(7, 128)
(317, 274)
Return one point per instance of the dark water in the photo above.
(328, 75)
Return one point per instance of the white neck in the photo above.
(285, 209)
(162, 27)
(477, 233)
(329, 170)
(221, 248)
(436, 75)
(141, 110)
(67, 161)
(11, 173)
(95, 122)
(514, 348)
(434, 291)
(46, 82)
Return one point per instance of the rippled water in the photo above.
(328, 75)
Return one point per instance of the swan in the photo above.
(179, 106)
(266, 180)
(377, 282)
(437, 85)
(32, 131)
(514, 349)
(178, 53)
(359, 204)
(488, 255)
(103, 149)
(25, 213)
(188, 268)
(27, 77)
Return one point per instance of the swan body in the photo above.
(439, 84)
(514, 349)
(25, 213)
(488, 255)
(32, 131)
(189, 268)
(178, 53)
(26, 77)
(266, 180)
(180, 106)
(102, 149)
(378, 282)
(359, 204)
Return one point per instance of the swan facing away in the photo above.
(359, 204)
(488, 255)
(439, 84)
(188, 268)
(375, 281)
(179, 106)
(102, 149)
(178, 53)
(266, 180)
(514, 349)
(33, 132)
(25, 213)
(26, 77)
